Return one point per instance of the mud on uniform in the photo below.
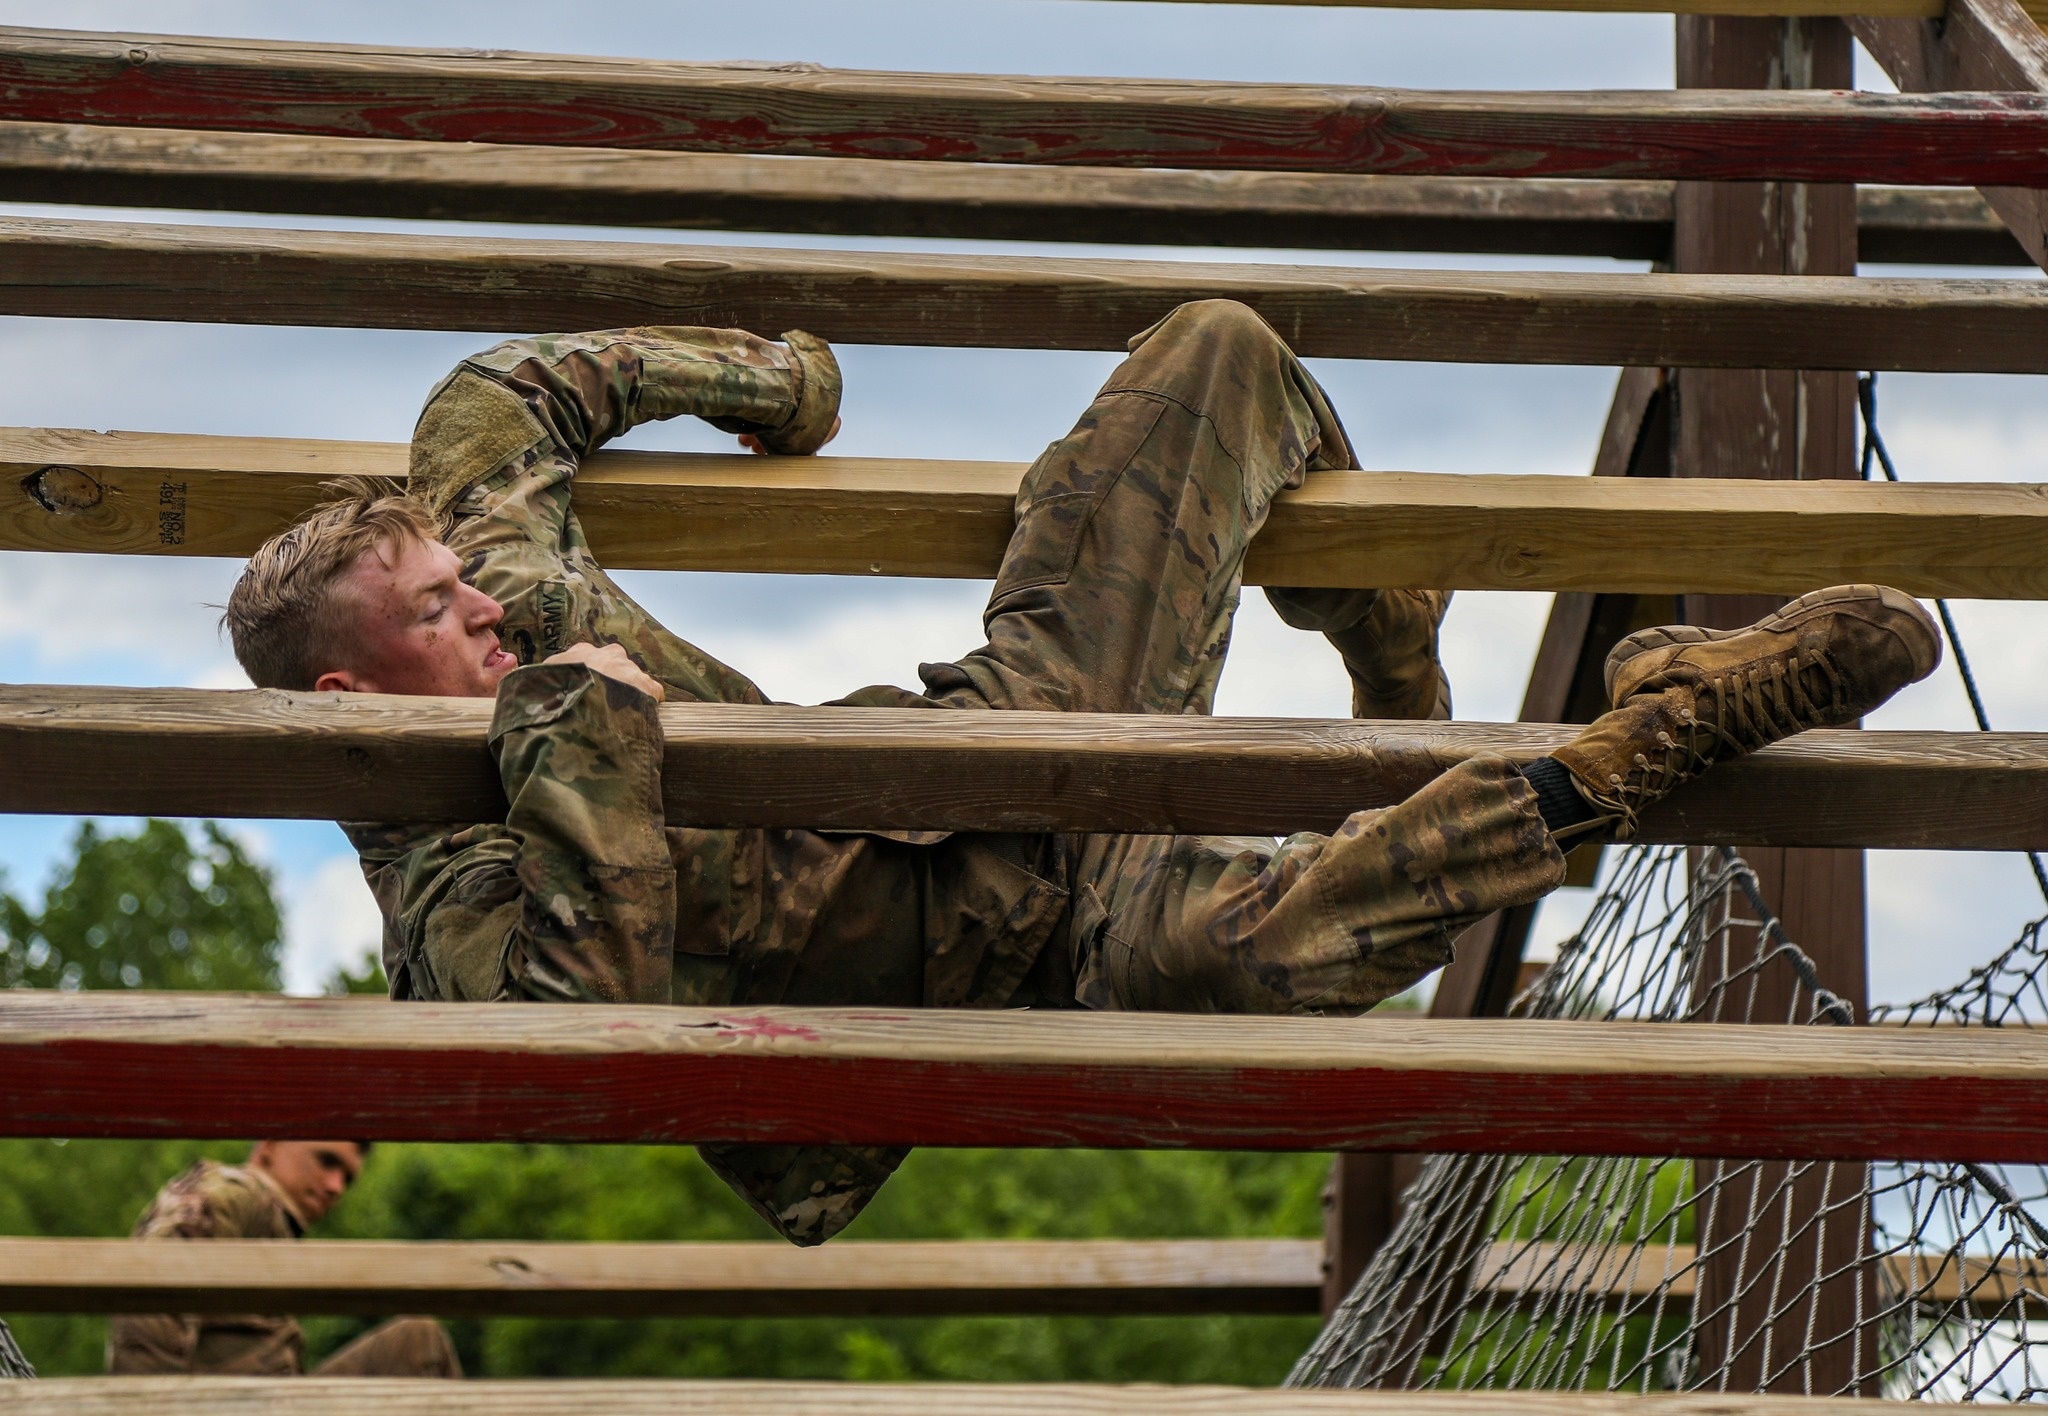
(1116, 595)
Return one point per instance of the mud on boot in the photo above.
(1685, 697)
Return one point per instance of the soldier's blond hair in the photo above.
(282, 615)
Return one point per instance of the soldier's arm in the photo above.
(208, 1203)
(511, 424)
(573, 900)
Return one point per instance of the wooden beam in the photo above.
(114, 270)
(941, 1278)
(173, 494)
(348, 1396)
(93, 1064)
(372, 177)
(1977, 44)
(1621, 1272)
(199, 752)
(334, 90)
(917, 1278)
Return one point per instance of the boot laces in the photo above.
(1752, 707)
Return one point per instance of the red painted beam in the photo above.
(94, 1064)
(471, 96)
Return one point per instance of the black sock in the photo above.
(1562, 807)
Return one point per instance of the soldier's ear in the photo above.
(340, 681)
(259, 1155)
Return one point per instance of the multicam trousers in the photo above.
(1117, 595)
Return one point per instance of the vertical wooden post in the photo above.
(1780, 424)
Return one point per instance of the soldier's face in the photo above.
(417, 627)
(312, 1174)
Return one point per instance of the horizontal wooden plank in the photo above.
(196, 752)
(932, 1278)
(373, 177)
(1534, 1269)
(349, 1396)
(160, 493)
(919, 1278)
(116, 270)
(308, 90)
(92, 1064)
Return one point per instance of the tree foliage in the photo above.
(157, 909)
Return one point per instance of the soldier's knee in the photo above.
(1213, 322)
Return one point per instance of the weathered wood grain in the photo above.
(107, 166)
(92, 1064)
(173, 494)
(1982, 1284)
(934, 1278)
(196, 752)
(1978, 44)
(114, 270)
(918, 1278)
(802, 110)
(349, 1396)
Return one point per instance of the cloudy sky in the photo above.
(133, 621)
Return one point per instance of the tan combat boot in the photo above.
(1388, 640)
(1686, 698)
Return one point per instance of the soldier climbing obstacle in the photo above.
(1115, 596)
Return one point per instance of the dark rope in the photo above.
(1873, 447)
(13, 1366)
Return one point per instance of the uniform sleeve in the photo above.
(541, 405)
(574, 900)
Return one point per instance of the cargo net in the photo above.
(1897, 1280)
(12, 1363)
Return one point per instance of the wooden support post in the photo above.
(1976, 44)
(1792, 424)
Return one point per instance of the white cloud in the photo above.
(331, 922)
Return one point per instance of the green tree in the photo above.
(157, 909)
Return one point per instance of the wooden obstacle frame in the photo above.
(1754, 312)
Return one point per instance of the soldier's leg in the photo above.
(403, 1347)
(1204, 924)
(1388, 639)
(1119, 583)
(1318, 923)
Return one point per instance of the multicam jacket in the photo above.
(210, 1201)
(583, 892)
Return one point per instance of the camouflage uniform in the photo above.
(1116, 595)
(214, 1201)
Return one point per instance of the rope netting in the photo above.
(12, 1363)
(1901, 1280)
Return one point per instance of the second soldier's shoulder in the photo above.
(213, 1200)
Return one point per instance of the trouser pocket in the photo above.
(1065, 487)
